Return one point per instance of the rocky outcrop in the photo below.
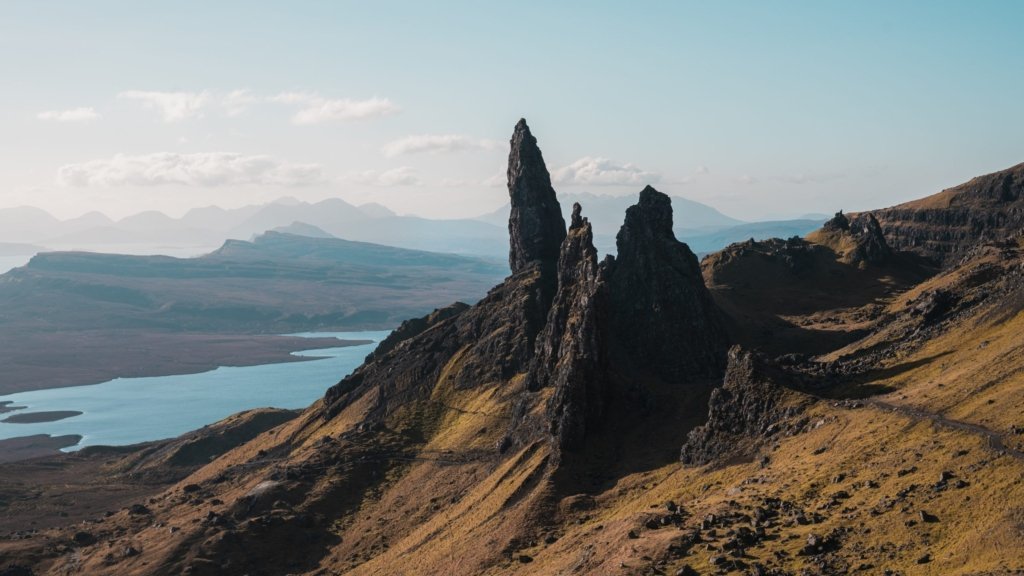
(946, 226)
(858, 240)
(615, 326)
(415, 327)
(750, 407)
(570, 351)
(660, 310)
(494, 339)
(535, 225)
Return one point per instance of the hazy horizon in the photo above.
(762, 112)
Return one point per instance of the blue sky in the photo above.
(763, 110)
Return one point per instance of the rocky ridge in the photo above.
(947, 225)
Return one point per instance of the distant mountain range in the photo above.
(27, 230)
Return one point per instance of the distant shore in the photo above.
(38, 417)
(25, 447)
(39, 361)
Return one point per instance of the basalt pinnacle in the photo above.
(659, 299)
(535, 225)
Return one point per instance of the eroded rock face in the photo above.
(661, 312)
(752, 405)
(860, 239)
(570, 353)
(644, 315)
(947, 226)
(871, 245)
(535, 225)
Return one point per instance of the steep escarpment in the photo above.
(947, 225)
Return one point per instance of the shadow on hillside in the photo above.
(867, 384)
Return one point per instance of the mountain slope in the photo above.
(947, 225)
(591, 417)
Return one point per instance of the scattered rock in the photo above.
(84, 539)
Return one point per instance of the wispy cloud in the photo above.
(597, 171)
(436, 143)
(172, 106)
(315, 109)
(401, 176)
(207, 169)
(83, 114)
(236, 102)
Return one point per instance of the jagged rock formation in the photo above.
(858, 240)
(539, 431)
(752, 406)
(660, 307)
(947, 225)
(570, 354)
(535, 225)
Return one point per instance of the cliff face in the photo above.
(946, 226)
(661, 312)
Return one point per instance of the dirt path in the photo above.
(995, 440)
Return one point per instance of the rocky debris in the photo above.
(129, 551)
(84, 539)
(16, 570)
(535, 225)
(750, 407)
(659, 305)
(821, 544)
(933, 304)
(138, 510)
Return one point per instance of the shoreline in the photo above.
(34, 446)
(40, 417)
(96, 357)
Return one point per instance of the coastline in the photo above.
(93, 357)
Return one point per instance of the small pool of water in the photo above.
(130, 410)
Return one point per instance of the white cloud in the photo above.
(436, 143)
(236, 102)
(315, 109)
(701, 169)
(602, 172)
(83, 114)
(401, 176)
(173, 106)
(206, 169)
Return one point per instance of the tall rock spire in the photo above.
(659, 298)
(535, 225)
